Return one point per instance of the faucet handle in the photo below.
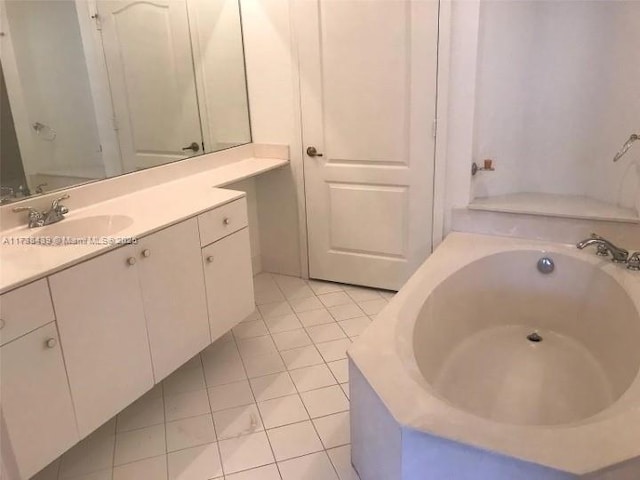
(31, 210)
(55, 204)
(633, 263)
(36, 218)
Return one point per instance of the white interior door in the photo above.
(150, 66)
(368, 86)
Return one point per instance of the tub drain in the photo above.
(534, 337)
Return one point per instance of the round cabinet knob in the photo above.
(1, 323)
(210, 259)
(51, 343)
(146, 252)
(131, 261)
(226, 221)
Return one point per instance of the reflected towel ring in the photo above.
(45, 131)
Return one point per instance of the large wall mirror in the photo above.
(94, 89)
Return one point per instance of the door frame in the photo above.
(442, 122)
(440, 178)
(454, 155)
(15, 93)
(199, 75)
(99, 86)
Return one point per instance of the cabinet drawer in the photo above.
(222, 221)
(24, 309)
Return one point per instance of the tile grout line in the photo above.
(233, 337)
(315, 429)
(264, 429)
(313, 342)
(166, 440)
(213, 424)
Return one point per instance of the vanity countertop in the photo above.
(139, 213)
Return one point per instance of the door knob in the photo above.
(131, 261)
(193, 147)
(313, 152)
(51, 342)
(146, 252)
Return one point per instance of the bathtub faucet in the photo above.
(605, 247)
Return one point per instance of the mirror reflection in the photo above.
(90, 90)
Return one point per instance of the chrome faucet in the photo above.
(40, 219)
(6, 194)
(634, 262)
(605, 247)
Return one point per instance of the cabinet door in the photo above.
(36, 403)
(175, 303)
(229, 279)
(103, 334)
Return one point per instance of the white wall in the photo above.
(460, 58)
(55, 85)
(557, 95)
(274, 101)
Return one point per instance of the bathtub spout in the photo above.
(619, 255)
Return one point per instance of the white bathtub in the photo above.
(446, 384)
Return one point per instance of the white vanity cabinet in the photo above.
(24, 309)
(100, 316)
(37, 411)
(175, 303)
(126, 319)
(229, 277)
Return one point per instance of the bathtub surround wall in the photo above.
(412, 418)
(540, 227)
(382, 449)
(557, 96)
(547, 90)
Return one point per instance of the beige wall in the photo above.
(275, 110)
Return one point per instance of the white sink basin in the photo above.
(96, 226)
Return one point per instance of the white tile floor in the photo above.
(268, 401)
